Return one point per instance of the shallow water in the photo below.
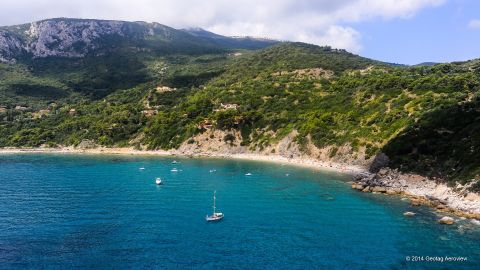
(87, 212)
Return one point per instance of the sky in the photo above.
(398, 31)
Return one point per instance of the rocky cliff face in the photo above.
(67, 38)
(10, 47)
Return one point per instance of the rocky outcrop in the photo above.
(86, 144)
(422, 191)
(380, 161)
(66, 38)
(213, 141)
(73, 38)
(10, 47)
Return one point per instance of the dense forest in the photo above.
(426, 118)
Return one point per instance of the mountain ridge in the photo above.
(74, 38)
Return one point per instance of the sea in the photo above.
(67, 211)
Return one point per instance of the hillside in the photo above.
(153, 87)
(63, 59)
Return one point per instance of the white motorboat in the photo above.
(158, 181)
(175, 162)
(216, 216)
(174, 170)
(248, 174)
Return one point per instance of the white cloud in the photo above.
(335, 36)
(475, 24)
(323, 22)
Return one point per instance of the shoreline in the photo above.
(457, 201)
(423, 192)
(300, 162)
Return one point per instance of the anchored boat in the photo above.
(216, 216)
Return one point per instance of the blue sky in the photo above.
(400, 31)
(438, 34)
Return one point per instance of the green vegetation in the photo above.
(426, 118)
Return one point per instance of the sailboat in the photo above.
(215, 216)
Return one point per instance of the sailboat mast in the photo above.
(214, 198)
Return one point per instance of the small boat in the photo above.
(175, 162)
(174, 170)
(216, 216)
(213, 171)
(158, 181)
(142, 168)
(287, 174)
(248, 174)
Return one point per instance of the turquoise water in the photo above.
(91, 212)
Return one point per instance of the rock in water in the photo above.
(446, 220)
(391, 192)
(415, 202)
(357, 186)
(379, 189)
(409, 214)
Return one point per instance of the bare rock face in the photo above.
(70, 38)
(86, 144)
(380, 161)
(10, 46)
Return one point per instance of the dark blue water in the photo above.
(91, 212)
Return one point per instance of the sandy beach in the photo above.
(302, 162)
